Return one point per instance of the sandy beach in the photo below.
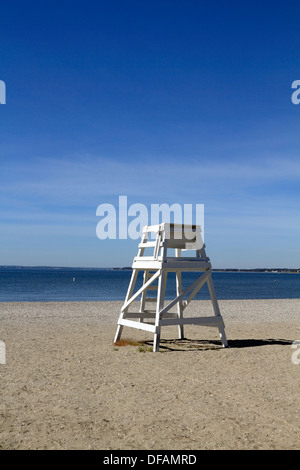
(66, 386)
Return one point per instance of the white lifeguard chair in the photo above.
(156, 267)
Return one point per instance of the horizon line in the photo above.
(129, 267)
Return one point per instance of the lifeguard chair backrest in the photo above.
(178, 236)
(183, 237)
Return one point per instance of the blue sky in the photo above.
(162, 101)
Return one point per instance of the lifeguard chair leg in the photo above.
(159, 307)
(216, 308)
(128, 295)
(179, 304)
(118, 333)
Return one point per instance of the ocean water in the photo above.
(68, 284)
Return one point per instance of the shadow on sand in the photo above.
(203, 345)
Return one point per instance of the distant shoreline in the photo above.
(128, 268)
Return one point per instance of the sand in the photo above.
(66, 386)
